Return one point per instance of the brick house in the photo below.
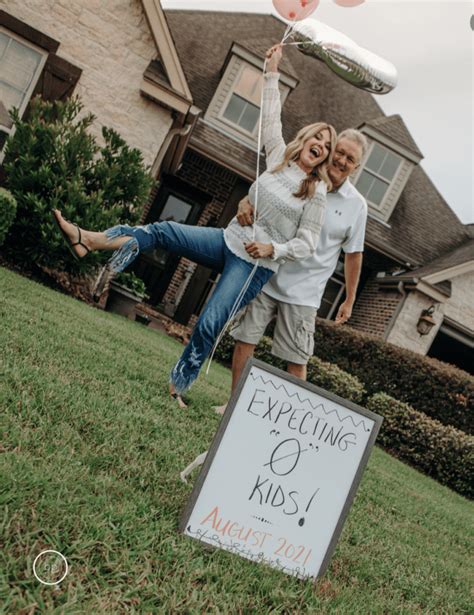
(418, 254)
(106, 52)
(184, 89)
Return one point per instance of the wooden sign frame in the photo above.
(187, 512)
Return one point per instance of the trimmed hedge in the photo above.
(442, 391)
(320, 373)
(8, 208)
(442, 452)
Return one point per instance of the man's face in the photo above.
(347, 157)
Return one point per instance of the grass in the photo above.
(91, 454)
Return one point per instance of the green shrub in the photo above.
(320, 373)
(440, 451)
(52, 161)
(442, 391)
(7, 212)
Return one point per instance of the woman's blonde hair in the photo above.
(320, 172)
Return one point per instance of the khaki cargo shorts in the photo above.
(293, 339)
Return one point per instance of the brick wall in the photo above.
(219, 183)
(374, 308)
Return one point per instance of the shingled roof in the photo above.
(459, 256)
(394, 127)
(422, 225)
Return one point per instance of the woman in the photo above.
(291, 203)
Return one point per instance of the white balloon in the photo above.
(354, 64)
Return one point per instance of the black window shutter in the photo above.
(58, 79)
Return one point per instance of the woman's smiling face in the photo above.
(316, 149)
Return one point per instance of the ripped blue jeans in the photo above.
(205, 246)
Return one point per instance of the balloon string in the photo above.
(236, 306)
(287, 33)
(259, 145)
(233, 312)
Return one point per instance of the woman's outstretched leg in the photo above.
(91, 239)
(203, 245)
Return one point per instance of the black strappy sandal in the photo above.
(69, 244)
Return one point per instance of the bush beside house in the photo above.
(8, 208)
(440, 451)
(439, 390)
(52, 161)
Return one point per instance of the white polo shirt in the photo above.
(302, 282)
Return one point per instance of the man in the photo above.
(294, 293)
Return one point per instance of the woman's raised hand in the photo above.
(273, 56)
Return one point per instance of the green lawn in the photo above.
(91, 454)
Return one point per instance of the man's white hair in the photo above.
(355, 135)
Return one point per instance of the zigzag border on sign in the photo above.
(306, 399)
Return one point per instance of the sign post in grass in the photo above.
(281, 473)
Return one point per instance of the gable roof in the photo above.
(165, 46)
(260, 45)
(422, 225)
(394, 127)
(448, 265)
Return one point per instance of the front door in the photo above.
(178, 202)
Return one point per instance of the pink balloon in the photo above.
(295, 10)
(349, 3)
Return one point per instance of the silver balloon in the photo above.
(354, 64)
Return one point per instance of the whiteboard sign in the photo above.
(281, 472)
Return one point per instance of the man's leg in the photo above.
(293, 338)
(247, 331)
(297, 370)
(242, 352)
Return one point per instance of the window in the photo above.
(20, 67)
(243, 106)
(175, 210)
(234, 109)
(379, 171)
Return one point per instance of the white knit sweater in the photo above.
(292, 225)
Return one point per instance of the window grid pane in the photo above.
(372, 187)
(376, 158)
(242, 113)
(249, 117)
(249, 85)
(18, 67)
(3, 43)
(383, 162)
(377, 191)
(390, 166)
(234, 109)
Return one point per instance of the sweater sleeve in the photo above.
(272, 136)
(307, 236)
